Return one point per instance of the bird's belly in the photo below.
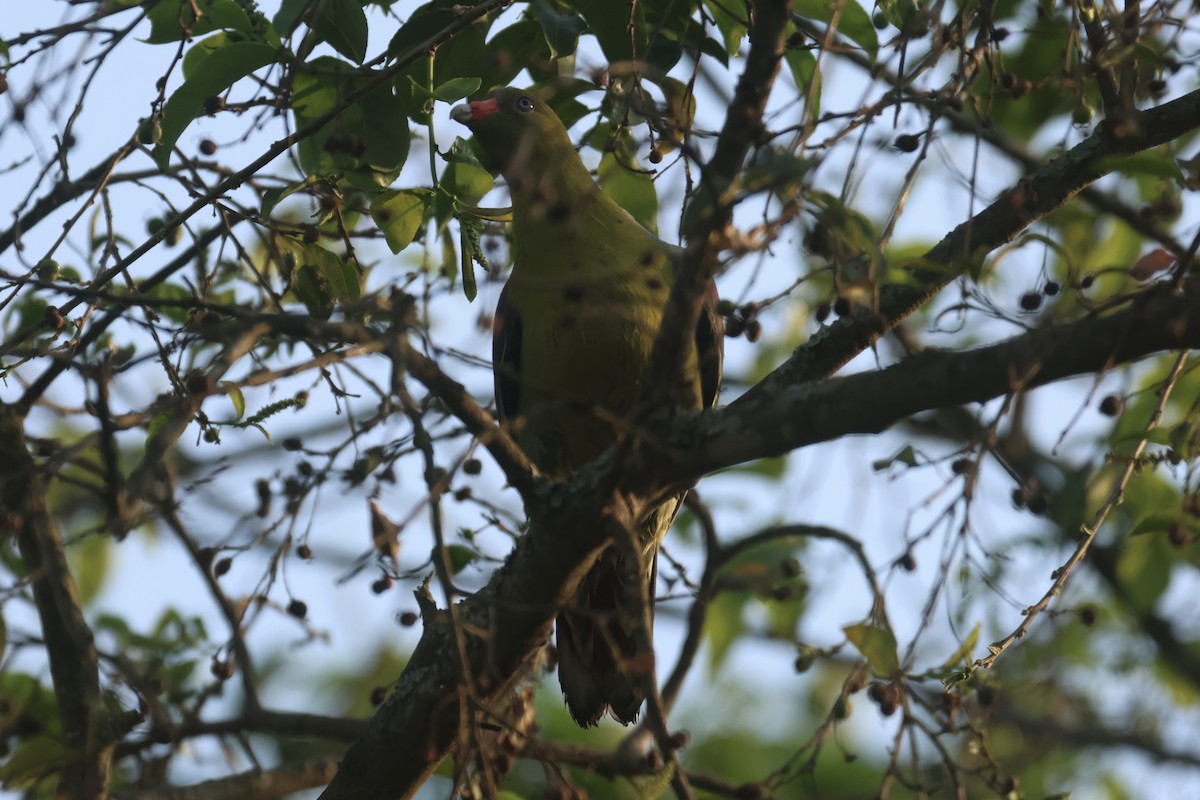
(581, 366)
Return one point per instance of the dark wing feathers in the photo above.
(710, 348)
(506, 357)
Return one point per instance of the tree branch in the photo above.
(70, 647)
(1159, 319)
(1031, 199)
(253, 785)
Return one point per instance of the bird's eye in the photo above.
(524, 104)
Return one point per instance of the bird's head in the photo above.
(518, 132)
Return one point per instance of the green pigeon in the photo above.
(572, 336)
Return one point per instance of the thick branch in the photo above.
(743, 128)
(1158, 320)
(254, 785)
(1031, 199)
(69, 643)
(503, 626)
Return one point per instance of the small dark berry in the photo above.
(655, 156)
(1111, 406)
(208, 147)
(823, 312)
(304, 551)
(735, 327)
(1179, 535)
(221, 670)
(907, 143)
(1050, 289)
(298, 609)
(961, 466)
(381, 585)
(1031, 301)
(999, 34)
(753, 331)
(841, 307)
(292, 443)
(204, 557)
(1019, 498)
(463, 493)
(1088, 616)
(311, 234)
(378, 695)
(908, 563)
(222, 566)
(213, 104)
(1086, 281)
(681, 739)
(197, 383)
(409, 618)
(472, 466)
(54, 318)
(790, 567)
(1038, 504)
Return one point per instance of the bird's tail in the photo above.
(600, 667)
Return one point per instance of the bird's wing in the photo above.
(506, 357)
(710, 348)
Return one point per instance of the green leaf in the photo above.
(459, 557)
(733, 29)
(35, 758)
(174, 20)
(517, 46)
(806, 74)
(90, 559)
(1144, 570)
(322, 277)
(853, 22)
(466, 250)
(272, 197)
(456, 89)
(238, 400)
(343, 24)
(399, 215)
(905, 455)
(964, 655)
(202, 50)
(877, 645)
(468, 182)
(368, 140)
(724, 625)
(216, 73)
(287, 18)
(620, 31)
(560, 25)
